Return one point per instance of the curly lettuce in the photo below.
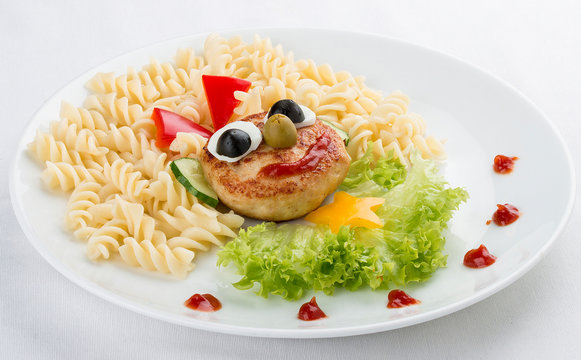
(385, 172)
(289, 259)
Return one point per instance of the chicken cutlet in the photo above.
(245, 186)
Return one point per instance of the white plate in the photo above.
(478, 114)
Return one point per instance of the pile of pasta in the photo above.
(124, 199)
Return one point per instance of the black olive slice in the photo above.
(233, 143)
(289, 108)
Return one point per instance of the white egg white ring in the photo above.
(247, 127)
(310, 117)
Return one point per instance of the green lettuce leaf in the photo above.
(385, 172)
(288, 259)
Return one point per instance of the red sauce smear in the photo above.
(398, 298)
(311, 311)
(309, 162)
(504, 164)
(479, 258)
(204, 302)
(505, 214)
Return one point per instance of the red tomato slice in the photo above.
(220, 97)
(168, 124)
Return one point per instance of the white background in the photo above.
(536, 46)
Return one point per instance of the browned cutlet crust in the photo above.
(240, 187)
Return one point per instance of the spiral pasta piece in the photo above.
(198, 216)
(97, 215)
(218, 57)
(187, 59)
(124, 86)
(251, 102)
(83, 140)
(66, 176)
(125, 140)
(152, 163)
(232, 220)
(171, 79)
(188, 144)
(195, 238)
(160, 257)
(104, 241)
(83, 197)
(46, 148)
(83, 118)
(121, 174)
(165, 88)
(118, 111)
(167, 194)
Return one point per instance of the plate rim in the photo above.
(302, 332)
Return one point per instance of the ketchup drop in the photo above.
(203, 302)
(503, 164)
(398, 298)
(505, 214)
(311, 311)
(479, 258)
(309, 162)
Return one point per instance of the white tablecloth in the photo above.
(536, 46)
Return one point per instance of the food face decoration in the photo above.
(299, 163)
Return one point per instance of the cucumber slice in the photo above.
(189, 173)
(341, 133)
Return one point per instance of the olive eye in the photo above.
(234, 141)
(289, 108)
(300, 115)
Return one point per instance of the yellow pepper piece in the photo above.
(348, 210)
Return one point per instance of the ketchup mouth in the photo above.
(307, 163)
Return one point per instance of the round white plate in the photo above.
(478, 114)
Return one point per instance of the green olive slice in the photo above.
(279, 131)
